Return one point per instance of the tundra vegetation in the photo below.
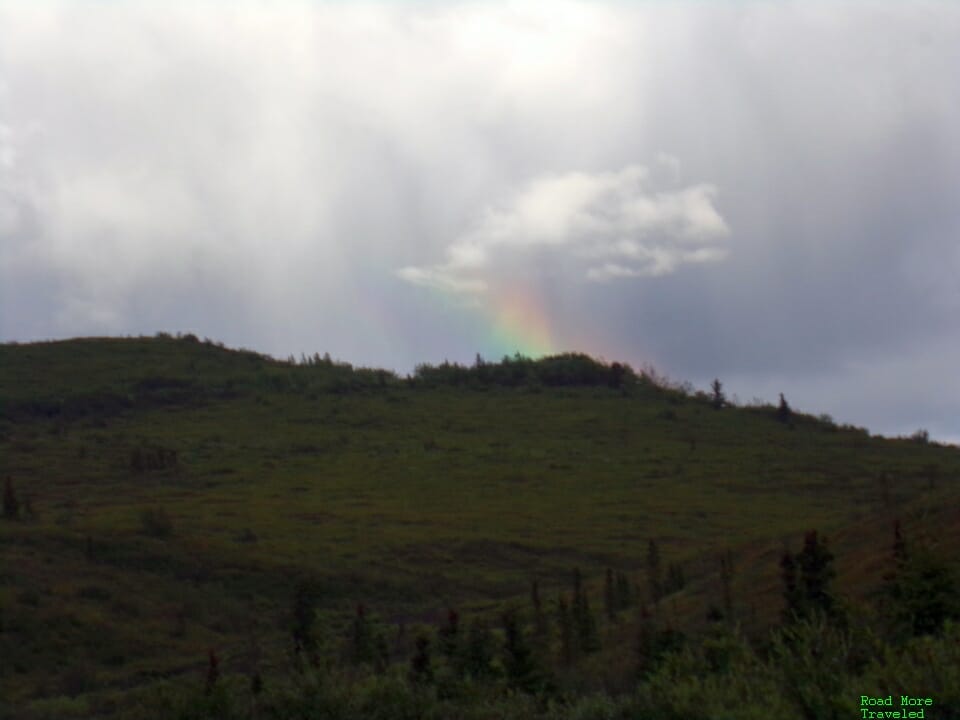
(190, 531)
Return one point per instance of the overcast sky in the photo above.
(764, 192)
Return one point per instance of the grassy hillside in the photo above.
(173, 495)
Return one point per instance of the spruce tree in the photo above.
(304, 619)
(450, 638)
(213, 672)
(518, 660)
(900, 552)
(421, 665)
(791, 592)
(654, 581)
(646, 643)
(381, 653)
(922, 590)
(676, 580)
(783, 410)
(610, 596)
(568, 650)
(726, 583)
(362, 644)
(624, 596)
(719, 399)
(584, 624)
(807, 577)
(588, 636)
(815, 562)
(540, 629)
(479, 651)
(11, 506)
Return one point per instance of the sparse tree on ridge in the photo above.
(718, 400)
(784, 412)
(617, 375)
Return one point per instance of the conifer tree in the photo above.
(568, 652)
(362, 644)
(304, 619)
(213, 672)
(783, 410)
(900, 552)
(646, 642)
(479, 651)
(815, 562)
(11, 506)
(540, 630)
(791, 592)
(421, 665)
(400, 639)
(923, 590)
(584, 623)
(609, 596)
(807, 577)
(676, 580)
(719, 399)
(726, 583)
(450, 637)
(624, 596)
(518, 660)
(588, 637)
(381, 653)
(654, 581)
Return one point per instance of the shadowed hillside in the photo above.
(167, 497)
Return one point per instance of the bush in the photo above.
(156, 522)
(929, 666)
(922, 595)
(153, 458)
(11, 506)
(595, 707)
(686, 686)
(812, 657)
(94, 592)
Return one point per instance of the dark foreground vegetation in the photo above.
(195, 532)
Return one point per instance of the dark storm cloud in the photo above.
(261, 173)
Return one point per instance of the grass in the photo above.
(409, 496)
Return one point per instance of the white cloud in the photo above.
(609, 271)
(429, 277)
(586, 215)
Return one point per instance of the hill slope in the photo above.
(177, 492)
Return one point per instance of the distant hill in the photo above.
(172, 494)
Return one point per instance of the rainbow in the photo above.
(510, 318)
(519, 323)
(516, 319)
